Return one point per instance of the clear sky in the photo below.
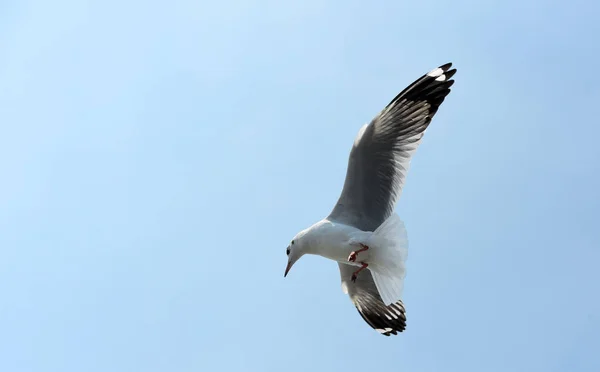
(156, 159)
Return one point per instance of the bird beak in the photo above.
(287, 269)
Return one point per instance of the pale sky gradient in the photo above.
(157, 157)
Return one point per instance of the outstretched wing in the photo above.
(382, 150)
(387, 320)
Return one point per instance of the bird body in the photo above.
(331, 240)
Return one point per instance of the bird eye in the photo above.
(287, 251)
(292, 242)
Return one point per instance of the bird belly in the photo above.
(341, 250)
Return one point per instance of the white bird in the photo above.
(362, 231)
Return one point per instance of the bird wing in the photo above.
(387, 320)
(380, 157)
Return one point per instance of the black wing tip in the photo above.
(442, 73)
(449, 74)
(433, 86)
(446, 66)
(387, 320)
(387, 332)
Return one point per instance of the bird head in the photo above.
(294, 251)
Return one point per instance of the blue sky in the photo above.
(155, 161)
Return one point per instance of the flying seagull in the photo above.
(362, 232)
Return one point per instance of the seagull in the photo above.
(363, 233)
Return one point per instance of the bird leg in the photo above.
(352, 257)
(354, 274)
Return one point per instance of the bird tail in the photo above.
(389, 243)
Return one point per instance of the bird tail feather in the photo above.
(389, 243)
